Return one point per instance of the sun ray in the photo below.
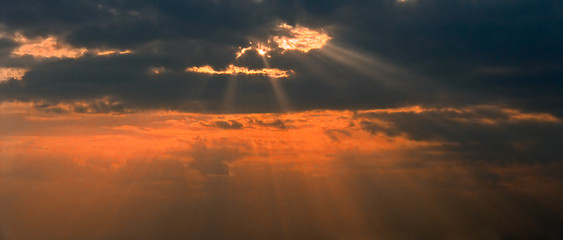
(230, 93)
(375, 68)
(364, 66)
(281, 97)
(198, 91)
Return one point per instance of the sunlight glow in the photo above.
(262, 50)
(157, 70)
(233, 70)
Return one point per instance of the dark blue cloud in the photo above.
(459, 52)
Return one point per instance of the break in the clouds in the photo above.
(417, 52)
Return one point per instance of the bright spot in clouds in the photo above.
(233, 70)
(261, 48)
(157, 70)
(12, 73)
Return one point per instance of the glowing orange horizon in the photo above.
(316, 135)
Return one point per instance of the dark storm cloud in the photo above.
(460, 52)
(6, 46)
(481, 133)
(126, 23)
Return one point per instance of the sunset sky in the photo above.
(281, 119)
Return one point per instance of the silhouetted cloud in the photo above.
(228, 125)
(477, 133)
(277, 123)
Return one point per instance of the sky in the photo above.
(281, 119)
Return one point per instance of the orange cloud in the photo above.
(301, 38)
(110, 52)
(261, 48)
(233, 70)
(46, 48)
(297, 38)
(12, 73)
(52, 47)
(516, 115)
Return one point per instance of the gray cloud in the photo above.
(228, 124)
(213, 161)
(277, 123)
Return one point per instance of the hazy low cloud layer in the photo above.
(167, 199)
(396, 52)
(309, 175)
